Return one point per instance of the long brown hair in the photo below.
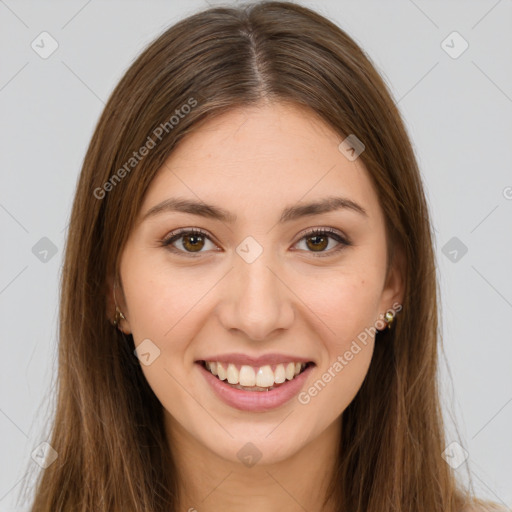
(107, 427)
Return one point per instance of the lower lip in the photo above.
(256, 401)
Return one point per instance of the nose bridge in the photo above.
(257, 303)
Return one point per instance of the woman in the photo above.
(248, 309)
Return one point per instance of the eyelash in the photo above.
(329, 232)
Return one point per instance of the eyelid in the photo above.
(324, 230)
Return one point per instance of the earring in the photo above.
(119, 314)
(390, 317)
(118, 317)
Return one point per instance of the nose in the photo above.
(255, 299)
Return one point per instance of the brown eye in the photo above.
(193, 243)
(318, 240)
(318, 243)
(188, 241)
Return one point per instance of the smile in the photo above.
(255, 388)
(250, 378)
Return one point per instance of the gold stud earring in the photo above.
(118, 317)
(390, 317)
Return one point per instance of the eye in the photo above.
(188, 241)
(191, 241)
(318, 240)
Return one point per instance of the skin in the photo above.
(254, 162)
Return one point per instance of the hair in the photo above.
(107, 426)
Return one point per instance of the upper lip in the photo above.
(266, 359)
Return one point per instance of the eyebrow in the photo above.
(289, 214)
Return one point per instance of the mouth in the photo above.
(255, 378)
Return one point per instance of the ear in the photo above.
(110, 302)
(394, 286)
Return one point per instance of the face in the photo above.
(258, 281)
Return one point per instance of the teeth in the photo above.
(221, 373)
(265, 377)
(279, 374)
(247, 376)
(212, 367)
(232, 374)
(290, 371)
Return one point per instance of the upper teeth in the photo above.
(263, 376)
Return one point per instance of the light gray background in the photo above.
(458, 113)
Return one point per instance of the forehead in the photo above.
(257, 159)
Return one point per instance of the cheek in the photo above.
(347, 302)
(170, 307)
(336, 384)
(348, 310)
(160, 298)
(162, 305)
